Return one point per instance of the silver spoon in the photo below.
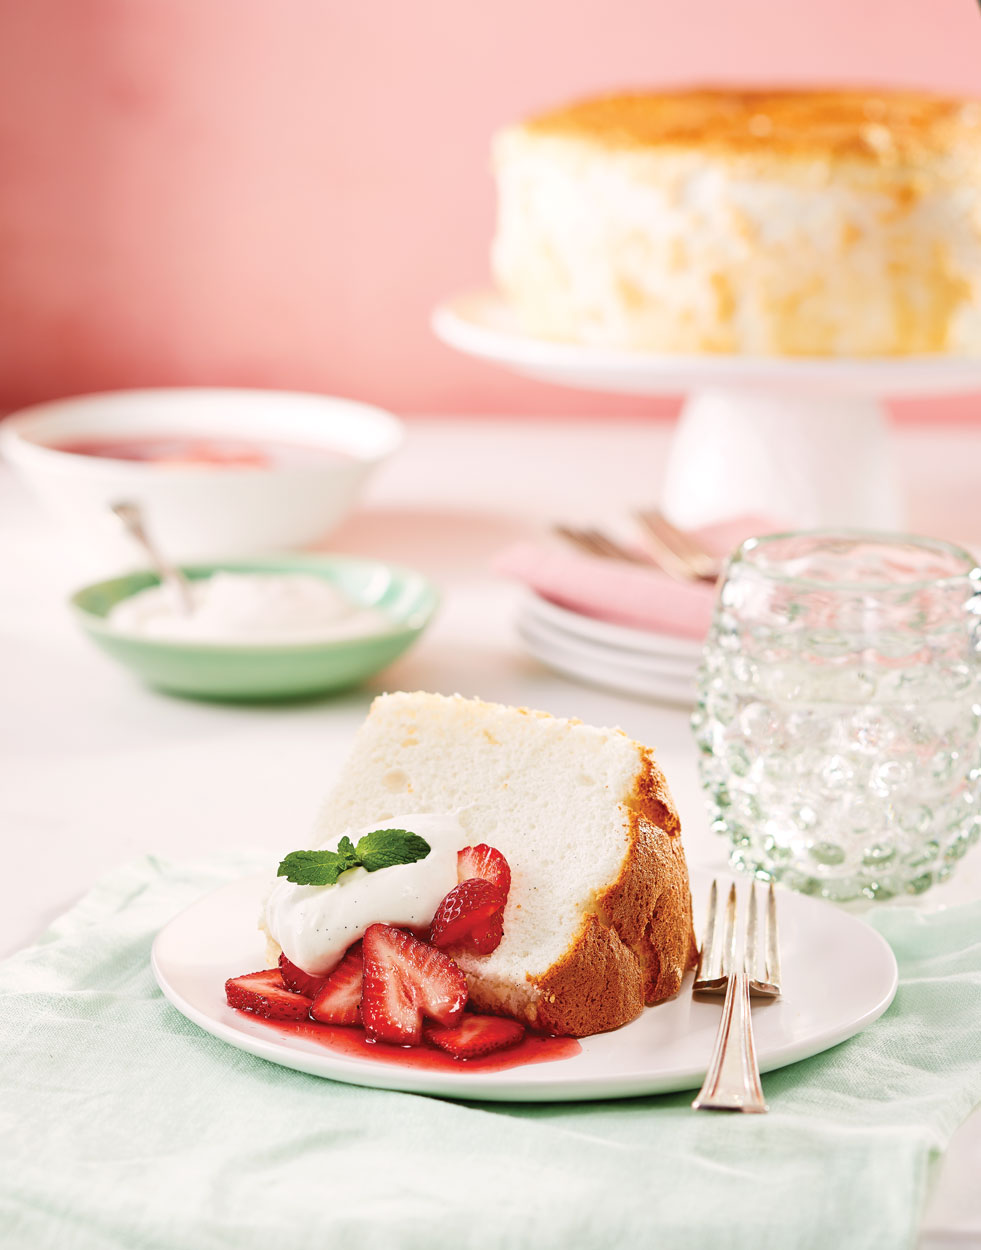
(132, 518)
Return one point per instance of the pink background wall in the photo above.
(276, 193)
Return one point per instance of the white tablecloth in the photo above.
(96, 769)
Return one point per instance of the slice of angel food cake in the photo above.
(480, 870)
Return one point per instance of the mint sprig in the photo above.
(381, 848)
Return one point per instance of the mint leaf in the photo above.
(384, 848)
(316, 867)
(345, 848)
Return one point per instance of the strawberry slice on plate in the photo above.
(296, 979)
(338, 1001)
(475, 1035)
(471, 916)
(485, 862)
(405, 980)
(264, 994)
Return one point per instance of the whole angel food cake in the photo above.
(832, 223)
(552, 891)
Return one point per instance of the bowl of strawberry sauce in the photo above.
(217, 472)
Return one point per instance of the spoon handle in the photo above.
(132, 518)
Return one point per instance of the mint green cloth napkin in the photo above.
(124, 1126)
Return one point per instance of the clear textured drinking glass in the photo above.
(839, 711)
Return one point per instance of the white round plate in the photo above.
(482, 324)
(653, 665)
(608, 634)
(606, 670)
(838, 976)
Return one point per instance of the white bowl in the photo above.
(201, 511)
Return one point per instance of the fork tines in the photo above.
(717, 956)
(712, 972)
(676, 550)
(596, 543)
(762, 959)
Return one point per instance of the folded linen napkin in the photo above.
(123, 1125)
(628, 594)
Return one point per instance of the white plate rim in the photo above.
(606, 672)
(544, 1082)
(609, 633)
(644, 665)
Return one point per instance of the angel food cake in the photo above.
(553, 893)
(829, 223)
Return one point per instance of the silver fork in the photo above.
(733, 1079)
(596, 543)
(677, 551)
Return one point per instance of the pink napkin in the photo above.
(628, 594)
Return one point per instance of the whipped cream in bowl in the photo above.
(252, 608)
(315, 924)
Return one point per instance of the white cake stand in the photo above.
(802, 440)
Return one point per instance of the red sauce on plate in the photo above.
(176, 450)
(354, 1042)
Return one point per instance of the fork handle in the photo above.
(733, 1080)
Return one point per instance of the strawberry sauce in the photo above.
(177, 449)
(353, 1042)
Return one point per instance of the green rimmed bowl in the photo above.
(237, 671)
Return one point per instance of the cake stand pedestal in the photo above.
(803, 460)
(804, 441)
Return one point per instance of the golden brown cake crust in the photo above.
(637, 945)
(879, 127)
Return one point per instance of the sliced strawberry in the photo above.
(470, 916)
(296, 979)
(265, 994)
(404, 980)
(338, 1001)
(475, 1035)
(486, 862)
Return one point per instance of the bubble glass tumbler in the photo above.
(839, 711)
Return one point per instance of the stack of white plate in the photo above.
(632, 661)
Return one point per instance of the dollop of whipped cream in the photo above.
(249, 608)
(315, 924)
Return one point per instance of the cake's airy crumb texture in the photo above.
(598, 921)
(760, 222)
